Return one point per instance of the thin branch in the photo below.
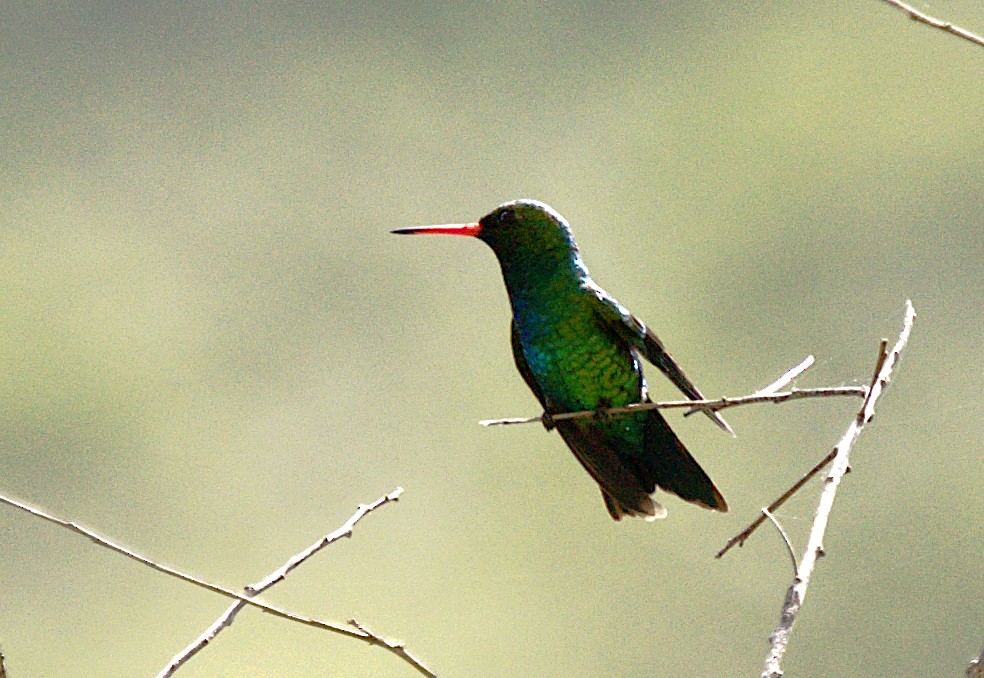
(226, 618)
(201, 583)
(207, 636)
(921, 17)
(719, 404)
(739, 539)
(785, 537)
(344, 531)
(395, 647)
(779, 639)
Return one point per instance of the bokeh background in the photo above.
(212, 350)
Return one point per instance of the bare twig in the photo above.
(739, 539)
(921, 17)
(767, 394)
(395, 647)
(344, 531)
(719, 404)
(779, 639)
(201, 583)
(226, 618)
(785, 537)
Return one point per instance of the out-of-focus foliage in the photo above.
(212, 350)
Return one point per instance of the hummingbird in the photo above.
(578, 349)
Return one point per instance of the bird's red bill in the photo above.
(445, 229)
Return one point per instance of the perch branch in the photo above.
(779, 639)
(921, 17)
(226, 618)
(201, 583)
(697, 405)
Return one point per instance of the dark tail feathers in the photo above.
(671, 467)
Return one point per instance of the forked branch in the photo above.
(887, 360)
(242, 599)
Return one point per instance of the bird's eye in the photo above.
(507, 217)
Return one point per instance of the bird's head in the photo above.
(519, 232)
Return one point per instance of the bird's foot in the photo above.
(548, 421)
(601, 412)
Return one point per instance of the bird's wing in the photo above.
(645, 341)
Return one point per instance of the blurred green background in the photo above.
(213, 351)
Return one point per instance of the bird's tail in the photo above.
(673, 468)
(650, 510)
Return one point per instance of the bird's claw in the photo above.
(601, 413)
(548, 421)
